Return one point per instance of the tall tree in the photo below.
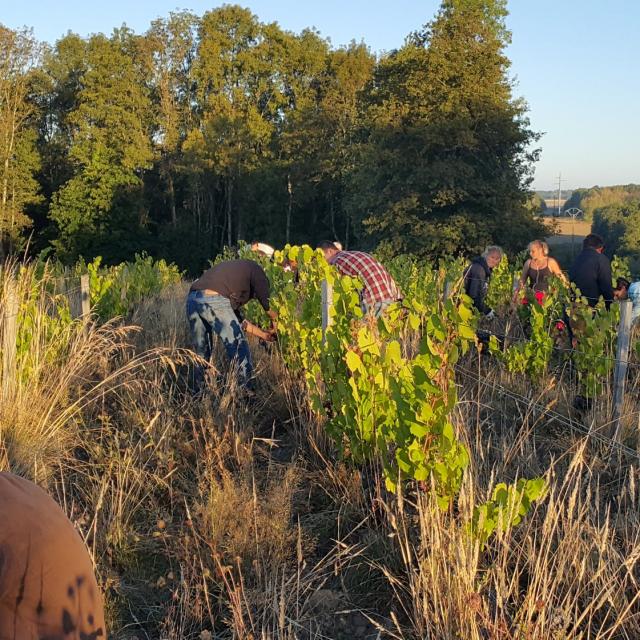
(320, 138)
(172, 47)
(99, 209)
(57, 87)
(619, 225)
(241, 96)
(447, 165)
(296, 145)
(19, 160)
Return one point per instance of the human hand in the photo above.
(270, 336)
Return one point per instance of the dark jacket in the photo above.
(591, 273)
(476, 283)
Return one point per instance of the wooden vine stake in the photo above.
(622, 361)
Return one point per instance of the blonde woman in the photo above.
(538, 269)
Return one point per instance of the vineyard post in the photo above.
(80, 299)
(85, 297)
(448, 288)
(9, 336)
(622, 359)
(327, 303)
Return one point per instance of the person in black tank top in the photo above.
(538, 269)
(538, 279)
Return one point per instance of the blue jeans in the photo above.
(213, 314)
(376, 309)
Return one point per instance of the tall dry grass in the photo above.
(218, 518)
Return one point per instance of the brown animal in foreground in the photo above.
(48, 590)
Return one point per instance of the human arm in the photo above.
(273, 316)
(555, 269)
(255, 330)
(260, 287)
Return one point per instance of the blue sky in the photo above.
(576, 63)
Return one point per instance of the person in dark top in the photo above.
(591, 272)
(477, 275)
(213, 305)
(538, 269)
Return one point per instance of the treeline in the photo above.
(210, 129)
(551, 194)
(619, 225)
(615, 215)
(598, 197)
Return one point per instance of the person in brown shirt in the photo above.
(48, 590)
(213, 306)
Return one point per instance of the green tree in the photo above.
(350, 70)
(446, 166)
(536, 204)
(589, 200)
(98, 210)
(19, 160)
(57, 86)
(241, 99)
(303, 61)
(619, 225)
(318, 143)
(171, 47)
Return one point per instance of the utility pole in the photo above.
(559, 193)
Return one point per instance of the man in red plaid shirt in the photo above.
(380, 290)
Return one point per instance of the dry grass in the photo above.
(218, 519)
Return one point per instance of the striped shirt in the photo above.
(379, 286)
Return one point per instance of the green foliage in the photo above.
(43, 321)
(210, 129)
(536, 203)
(619, 225)
(420, 282)
(116, 290)
(532, 355)
(508, 505)
(589, 200)
(500, 291)
(19, 159)
(398, 407)
(445, 167)
(109, 148)
(596, 336)
(381, 403)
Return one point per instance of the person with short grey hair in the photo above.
(493, 250)
(477, 276)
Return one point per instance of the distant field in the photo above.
(580, 228)
(561, 242)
